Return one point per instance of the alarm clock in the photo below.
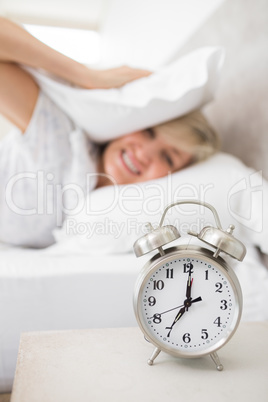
(187, 299)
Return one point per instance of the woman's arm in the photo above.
(18, 94)
(18, 46)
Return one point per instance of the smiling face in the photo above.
(140, 156)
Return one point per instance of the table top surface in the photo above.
(111, 364)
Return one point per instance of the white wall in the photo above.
(70, 13)
(147, 33)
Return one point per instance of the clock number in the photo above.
(188, 268)
(218, 286)
(224, 304)
(169, 273)
(217, 322)
(206, 277)
(157, 318)
(158, 285)
(151, 301)
(204, 334)
(186, 338)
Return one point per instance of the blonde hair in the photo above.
(193, 134)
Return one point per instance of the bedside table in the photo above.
(111, 365)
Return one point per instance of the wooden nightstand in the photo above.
(110, 365)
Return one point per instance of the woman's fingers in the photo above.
(114, 77)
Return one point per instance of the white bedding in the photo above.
(58, 289)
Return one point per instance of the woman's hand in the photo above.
(112, 78)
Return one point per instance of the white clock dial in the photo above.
(188, 304)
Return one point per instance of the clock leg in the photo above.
(154, 356)
(216, 360)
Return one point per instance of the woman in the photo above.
(49, 142)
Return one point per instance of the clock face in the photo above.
(188, 304)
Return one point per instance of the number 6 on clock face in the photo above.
(187, 302)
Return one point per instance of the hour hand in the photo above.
(177, 318)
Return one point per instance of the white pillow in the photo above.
(177, 89)
(112, 218)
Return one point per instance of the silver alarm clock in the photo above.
(187, 299)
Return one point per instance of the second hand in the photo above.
(174, 308)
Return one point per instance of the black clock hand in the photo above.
(189, 289)
(189, 286)
(198, 299)
(177, 318)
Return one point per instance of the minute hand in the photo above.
(177, 318)
(189, 286)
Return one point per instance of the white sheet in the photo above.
(58, 289)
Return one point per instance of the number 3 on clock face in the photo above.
(187, 303)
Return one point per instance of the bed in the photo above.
(79, 284)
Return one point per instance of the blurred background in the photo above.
(141, 32)
(152, 33)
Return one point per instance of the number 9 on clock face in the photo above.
(187, 302)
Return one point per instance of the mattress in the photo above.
(60, 289)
